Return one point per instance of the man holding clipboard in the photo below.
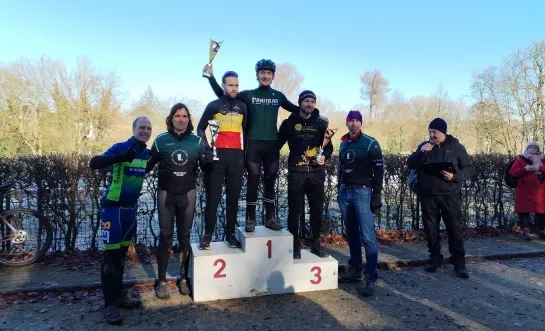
(443, 165)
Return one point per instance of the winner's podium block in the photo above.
(264, 265)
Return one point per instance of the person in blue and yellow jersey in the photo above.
(127, 161)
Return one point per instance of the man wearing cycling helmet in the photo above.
(261, 139)
(230, 114)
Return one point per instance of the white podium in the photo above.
(264, 265)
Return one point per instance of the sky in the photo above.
(164, 44)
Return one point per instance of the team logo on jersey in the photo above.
(298, 127)
(179, 157)
(265, 101)
(224, 111)
(349, 156)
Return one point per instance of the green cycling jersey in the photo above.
(263, 104)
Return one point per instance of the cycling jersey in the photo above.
(360, 162)
(177, 156)
(126, 179)
(230, 115)
(304, 137)
(263, 104)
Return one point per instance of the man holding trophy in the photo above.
(262, 139)
(309, 141)
(226, 118)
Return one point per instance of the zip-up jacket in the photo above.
(304, 137)
(263, 104)
(126, 178)
(361, 162)
(434, 183)
(231, 117)
(178, 157)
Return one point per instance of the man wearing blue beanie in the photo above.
(440, 193)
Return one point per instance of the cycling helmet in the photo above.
(265, 65)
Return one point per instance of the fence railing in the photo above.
(68, 192)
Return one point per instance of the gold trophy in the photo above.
(214, 130)
(327, 138)
(214, 48)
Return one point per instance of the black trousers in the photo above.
(261, 153)
(179, 207)
(449, 208)
(229, 169)
(310, 184)
(524, 220)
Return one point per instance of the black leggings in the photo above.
(181, 207)
(266, 153)
(229, 169)
(111, 274)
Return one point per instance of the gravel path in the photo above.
(500, 295)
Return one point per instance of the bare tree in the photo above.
(374, 89)
(287, 79)
(509, 100)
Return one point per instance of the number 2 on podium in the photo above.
(218, 273)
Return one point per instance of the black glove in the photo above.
(209, 157)
(127, 156)
(376, 203)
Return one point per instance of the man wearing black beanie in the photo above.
(440, 193)
(304, 133)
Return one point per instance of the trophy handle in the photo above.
(320, 153)
(206, 73)
(215, 153)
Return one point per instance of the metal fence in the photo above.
(68, 193)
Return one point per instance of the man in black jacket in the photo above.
(305, 133)
(440, 193)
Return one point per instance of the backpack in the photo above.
(509, 180)
(413, 181)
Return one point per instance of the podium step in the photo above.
(264, 265)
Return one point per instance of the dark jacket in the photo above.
(304, 137)
(434, 183)
(361, 162)
(178, 157)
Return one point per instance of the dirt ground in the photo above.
(500, 295)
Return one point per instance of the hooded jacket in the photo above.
(434, 183)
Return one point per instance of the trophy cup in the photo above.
(214, 48)
(214, 130)
(327, 138)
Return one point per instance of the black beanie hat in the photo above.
(306, 94)
(438, 124)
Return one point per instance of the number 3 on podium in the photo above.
(317, 275)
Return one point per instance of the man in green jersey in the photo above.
(127, 162)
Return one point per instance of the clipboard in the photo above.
(436, 167)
